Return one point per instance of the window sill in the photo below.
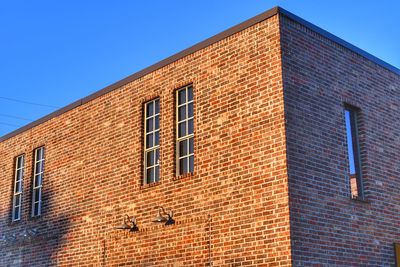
(14, 222)
(183, 176)
(146, 186)
(360, 199)
(35, 218)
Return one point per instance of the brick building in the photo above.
(273, 143)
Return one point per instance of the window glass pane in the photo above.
(149, 125)
(17, 200)
(182, 148)
(183, 168)
(157, 174)
(38, 167)
(149, 109)
(16, 213)
(156, 122)
(190, 93)
(37, 195)
(182, 129)
(42, 166)
(157, 156)
(20, 174)
(182, 113)
(157, 106)
(157, 138)
(182, 96)
(190, 126)
(36, 209)
(38, 180)
(19, 162)
(349, 135)
(38, 154)
(191, 145)
(150, 175)
(149, 140)
(150, 158)
(191, 164)
(190, 110)
(17, 187)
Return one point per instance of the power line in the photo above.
(26, 102)
(15, 117)
(9, 124)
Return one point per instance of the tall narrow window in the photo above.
(152, 142)
(353, 152)
(37, 181)
(185, 131)
(17, 195)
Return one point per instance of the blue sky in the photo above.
(56, 52)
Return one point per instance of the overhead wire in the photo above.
(20, 117)
(9, 124)
(15, 117)
(27, 102)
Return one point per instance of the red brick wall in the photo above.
(328, 227)
(234, 209)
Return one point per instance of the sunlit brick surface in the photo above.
(232, 211)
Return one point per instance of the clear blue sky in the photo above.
(56, 52)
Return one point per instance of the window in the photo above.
(152, 142)
(17, 195)
(37, 181)
(185, 131)
(353, 151)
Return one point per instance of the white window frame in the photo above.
(156, 147)
(18, 184)
(37, 184)
(188, 136)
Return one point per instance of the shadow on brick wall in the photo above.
(33, 241)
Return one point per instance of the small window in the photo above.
(17, 193)
(184, 131)
(38, 171)
(353, 151)
(152, 142)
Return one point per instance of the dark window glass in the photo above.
(182, 113)
(190, 126)
(191, 145)
(181, 97)
(183, 166)
(149, 109)
(182, 129)
(191, 163)
(190, 93)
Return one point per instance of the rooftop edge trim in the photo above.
(203, 44)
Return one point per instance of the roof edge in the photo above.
(338, 40)
(203, 44)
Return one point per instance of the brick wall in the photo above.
(328, 227)
(233, 211)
